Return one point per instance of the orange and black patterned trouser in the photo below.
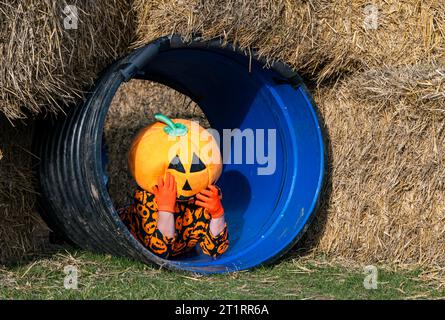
(191, 224)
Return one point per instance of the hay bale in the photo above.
(22, 232)
(320, 38)
(387, 134)
(361, 35)
(44, 66)
(419, 89)
(133, 107)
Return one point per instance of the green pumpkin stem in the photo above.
(171, 128)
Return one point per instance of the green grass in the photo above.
(106, 277)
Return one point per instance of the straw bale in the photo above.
(386, 133)
(45, 66)
(321, 38)
(22, 232)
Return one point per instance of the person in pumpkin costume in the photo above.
(176, 206)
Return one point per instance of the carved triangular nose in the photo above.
(187, 186)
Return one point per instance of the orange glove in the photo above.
(210, 199)
(165, 193)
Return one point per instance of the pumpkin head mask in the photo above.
(183, 148)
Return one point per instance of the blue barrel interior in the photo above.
(265, 214)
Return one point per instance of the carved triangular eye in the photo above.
(197, 164)
(176, 164)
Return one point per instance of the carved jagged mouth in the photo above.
(184, 198)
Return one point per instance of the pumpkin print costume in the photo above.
(191, 228)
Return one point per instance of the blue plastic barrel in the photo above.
(266, 213)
